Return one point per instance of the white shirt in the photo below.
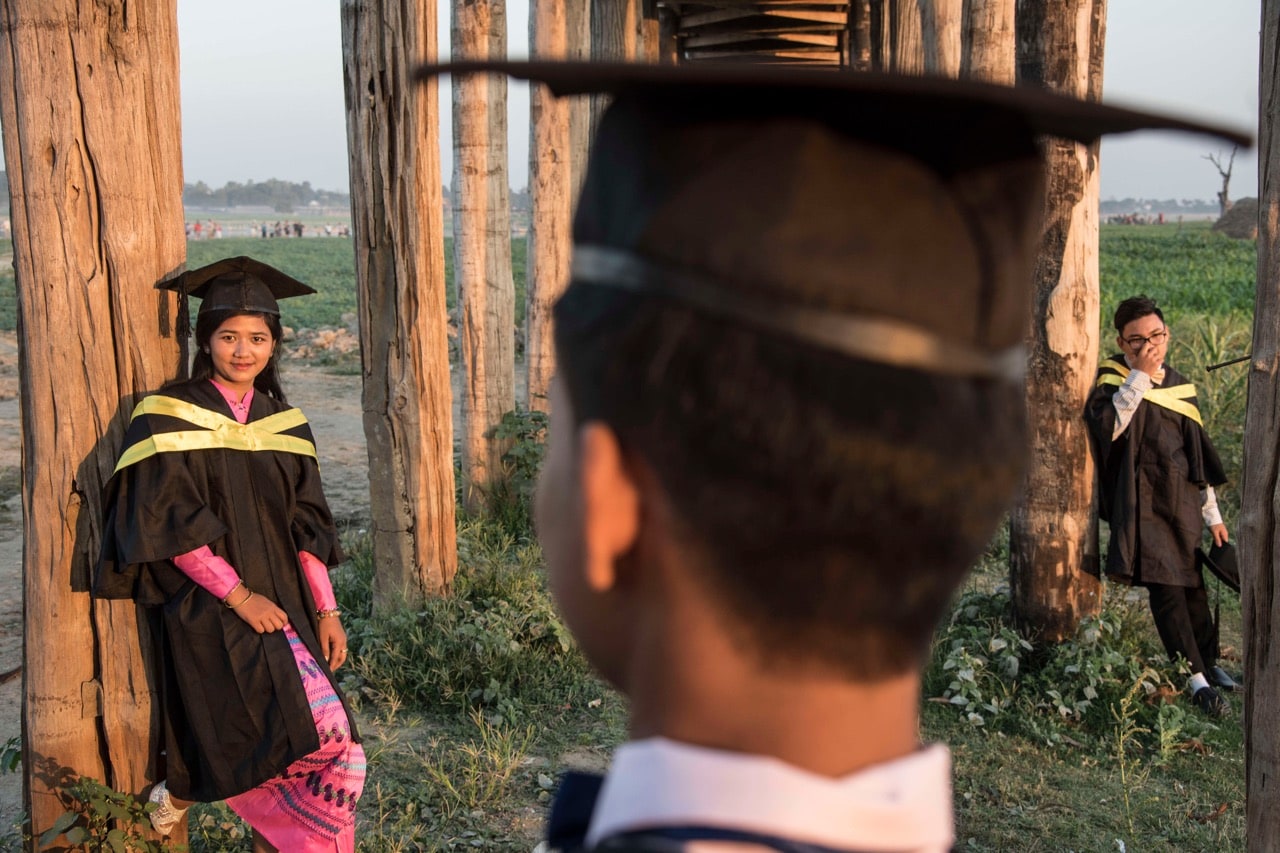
(1126, 400)
(900, 805)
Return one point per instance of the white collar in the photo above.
(899, 805)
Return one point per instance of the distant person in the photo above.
(198, 228)
(232, 539)
(783, 427)
(1157, 470)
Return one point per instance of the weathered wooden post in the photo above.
(393, 137)
(550, 187)
(89, 109)
(941, 25)
(989, 42)
(1053, 534)
(482, 244)
(1260, 491)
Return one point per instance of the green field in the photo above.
(471, 705)
(325, 263)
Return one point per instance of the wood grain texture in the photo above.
(1053, 530)
(1259, 533)
(482, 245)
(550, 187)
(393, 144)
(989, 42)
(89, 108)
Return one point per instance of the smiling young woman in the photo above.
(216, 512)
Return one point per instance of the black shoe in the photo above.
(1221, 679)
(1211, 702)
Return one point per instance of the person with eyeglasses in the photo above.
(1157, 470)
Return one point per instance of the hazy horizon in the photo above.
(1175, 56)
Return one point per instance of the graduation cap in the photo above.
(237, 284)
(1222, 562)
(891, 218)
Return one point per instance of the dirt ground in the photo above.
(332, 403)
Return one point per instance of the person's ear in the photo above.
(610, 504)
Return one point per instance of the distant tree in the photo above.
(1224, 197)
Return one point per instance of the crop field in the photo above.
(472, 704)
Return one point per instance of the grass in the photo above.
(325, 263)
(471, 706)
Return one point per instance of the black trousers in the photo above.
(1185, 625)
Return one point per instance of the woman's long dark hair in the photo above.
(268, 381)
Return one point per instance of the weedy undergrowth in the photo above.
(1070, 691)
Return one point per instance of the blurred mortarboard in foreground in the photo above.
(894, 219)
(237, 284)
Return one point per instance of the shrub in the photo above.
(1073, 691)
(496, 643)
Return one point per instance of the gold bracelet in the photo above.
(227, 597)
(325, 614)
(241, 601)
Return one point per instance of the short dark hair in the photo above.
(207, 322)
(1135, 308)
(833, 504)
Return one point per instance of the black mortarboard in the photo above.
(1222, 561)
(237, 284)
(892, 218)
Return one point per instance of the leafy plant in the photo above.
(511, 500)
(496, 642)
(1055, 693)
(101, 818)
(11, 755)
(215, 828)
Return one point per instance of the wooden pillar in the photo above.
(614, 25)
(578, 28)
(906, 37)
(1053, 531)
(1259, 533)
(482, 244)
(90, 115)
(393, 141)
(860, 57)
(550, 186)
(940, 29)
(989, 42)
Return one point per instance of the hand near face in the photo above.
(1148, 359)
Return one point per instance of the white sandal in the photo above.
(166, 815)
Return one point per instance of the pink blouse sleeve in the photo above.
(208, 570)
(317, 574)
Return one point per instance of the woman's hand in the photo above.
(333, 641)
(262, 614)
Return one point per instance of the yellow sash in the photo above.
(1175, 398)
(216, 431)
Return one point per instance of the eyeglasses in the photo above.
(1155, 339)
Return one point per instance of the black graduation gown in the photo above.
(1149, 484)
(235, 710)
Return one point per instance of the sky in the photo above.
(262, 93)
